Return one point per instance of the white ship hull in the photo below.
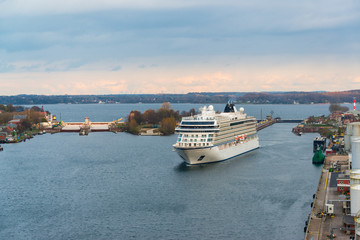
(217, 153)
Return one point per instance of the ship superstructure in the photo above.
(211, 137)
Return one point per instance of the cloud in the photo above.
(92, 30)
(41, 66)
(231, 14)
(217, 79)
(116, 68)
(100, 86)
(179, 46)
(356, 79)
(6, 67)
(75, 6)
(62, 83)
(247, 76)
(207, 82)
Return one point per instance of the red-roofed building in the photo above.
(15, 122)
(5, 132)
(343, 183)
(336, 116)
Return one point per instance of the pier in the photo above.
(320, 224)
(289, 121)
(84, 128)
(93, 127)
(263, 124)
(270, 121)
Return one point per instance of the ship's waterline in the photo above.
(217, 153)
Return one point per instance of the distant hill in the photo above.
(193, 97)
(300, 97)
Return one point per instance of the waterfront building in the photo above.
(14, 123)
(21, 117)
(5, 133)
(349, 224)
(343, 183)
(336, 116)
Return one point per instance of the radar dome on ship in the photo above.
(211, 108)
(241, 109)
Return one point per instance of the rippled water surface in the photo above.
(120, 186)
(109, 112)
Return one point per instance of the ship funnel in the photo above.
(229, 108)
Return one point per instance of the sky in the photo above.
(178, 46)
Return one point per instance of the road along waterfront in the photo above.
(320, 224)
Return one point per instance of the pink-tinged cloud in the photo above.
(208, 77)
(61, 83)
(91, 86)
(356, 79)
(206, 82)
(210, 82)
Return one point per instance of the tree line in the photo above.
(165, 118)
(32, 115)
(196, 97)
(338, 108)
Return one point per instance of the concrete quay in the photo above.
(263, 124)
(93, 127)
(320, 224)
(83, 128)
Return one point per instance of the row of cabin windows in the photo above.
(195, 140)
(194, 144)
(195, 135)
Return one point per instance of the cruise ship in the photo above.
(212, 137)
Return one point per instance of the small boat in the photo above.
(1, 148)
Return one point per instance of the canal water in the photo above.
(120, 186)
